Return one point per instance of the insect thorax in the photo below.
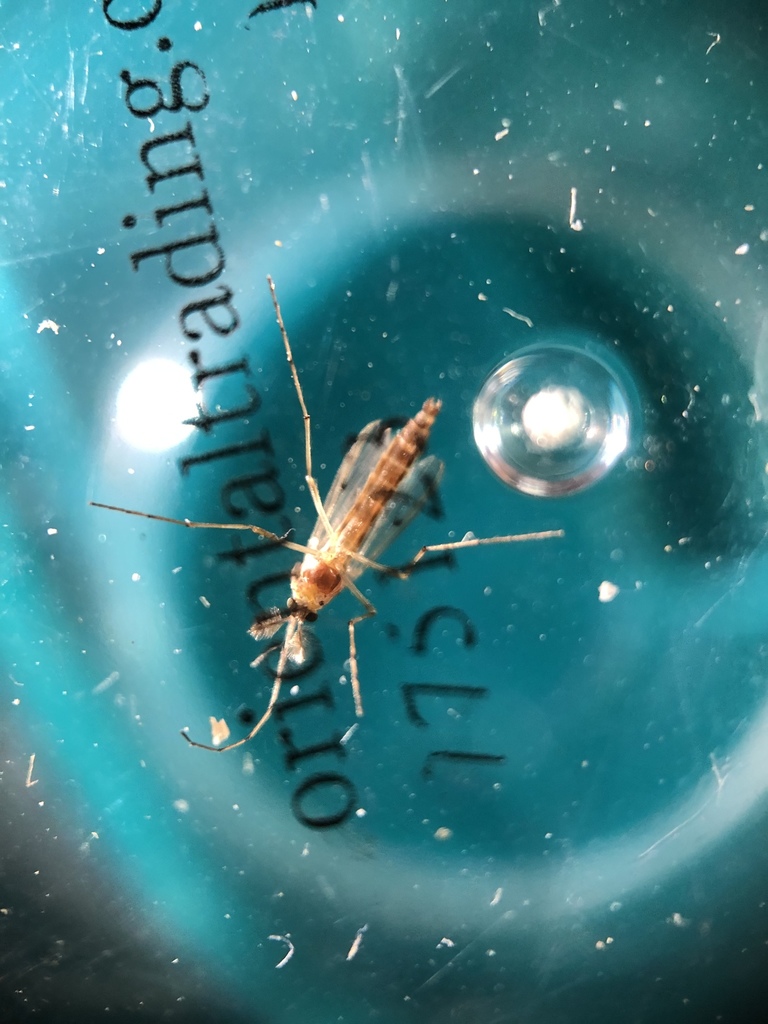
(316, 584)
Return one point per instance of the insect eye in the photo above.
(310, 617)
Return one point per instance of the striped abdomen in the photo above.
(387, 475)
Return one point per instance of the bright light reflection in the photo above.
(555, 417)
(152, 404)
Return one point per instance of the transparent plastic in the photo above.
(554, 807)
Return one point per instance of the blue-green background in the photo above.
(141, 876)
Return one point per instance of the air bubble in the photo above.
(552, 421)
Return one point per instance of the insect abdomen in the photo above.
(387, 475)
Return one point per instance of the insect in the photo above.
(382, 483)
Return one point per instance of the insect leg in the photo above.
(401, 571)
(354, 556)
(369, 612)
(193, 525)
(404, 571)
(311, 482)
(474, 542)
(273, 697)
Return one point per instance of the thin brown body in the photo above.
(401, 453)
(324, 575)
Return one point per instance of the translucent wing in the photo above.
(355, 469)
(417, 487)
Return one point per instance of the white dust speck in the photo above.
(678, 920)
(518, 316)
(105, 683)
(607, 591)
(545, 11)
(573, 221)
(48, 325)
(287, 940)
(356, 942)
(349, 734)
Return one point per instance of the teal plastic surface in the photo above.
(554, 806)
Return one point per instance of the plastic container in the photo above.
(554, 220)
